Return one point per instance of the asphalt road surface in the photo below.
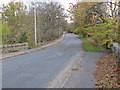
(38, 69)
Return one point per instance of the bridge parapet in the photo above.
(13, 47)
(116, 48)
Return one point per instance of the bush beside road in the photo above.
(90, 47)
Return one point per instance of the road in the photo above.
(38, 69)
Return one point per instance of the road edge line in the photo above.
(40, 48)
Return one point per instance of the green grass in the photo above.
(14, 51)
(89, 47)
(30, 47)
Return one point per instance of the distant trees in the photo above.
(13, 14)
(95, 20)
(70, 27)
(5, 29)
(50, 19)
(18, 22)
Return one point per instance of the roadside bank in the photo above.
(107, 72)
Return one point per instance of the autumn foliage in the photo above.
(98, 20)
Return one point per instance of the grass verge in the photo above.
(14, 51)
(89, 47)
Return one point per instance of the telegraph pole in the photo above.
(59, 28)
(35, 33)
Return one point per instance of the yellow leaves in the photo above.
(83, 28)
(71, 18)
(91, 33)
(66, 16)
(91, 19)
(102, 33)
(110, 8)
(85, 15)
(104, 42)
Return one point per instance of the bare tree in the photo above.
(50, 17)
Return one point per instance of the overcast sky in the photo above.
(65, 3)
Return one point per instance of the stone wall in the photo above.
(13, 47)
(116, 48)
